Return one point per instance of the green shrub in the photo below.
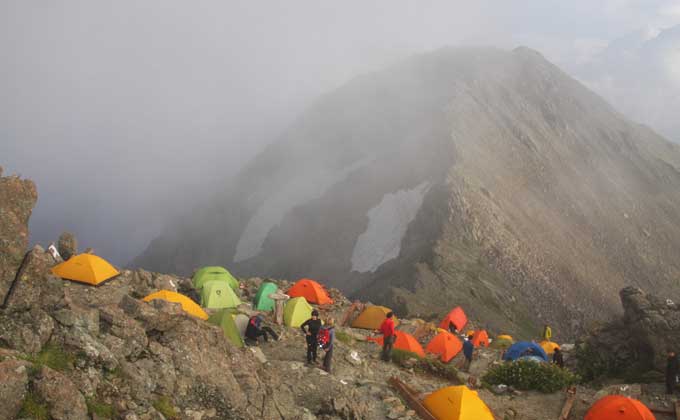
(165, 407)
(424, 365)
(343, 337)
(54, 357)
(32, 408)
(529, 375)
(100, 409)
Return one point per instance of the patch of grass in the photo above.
(424, 365)
(101, 409)
(165, 407)
(54, 357)
(32, 408)
(529, 375)
(343, 337)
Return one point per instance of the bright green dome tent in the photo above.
(225, 320)
(212, 273)
(296, 312)
(262, 300)
(217, 294)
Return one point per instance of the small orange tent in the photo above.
(85, 268)
(372, 317)
(480, 338)
(405, 342)
(456, 317)
(457, 403)
(188, 305)
(312, 291)
(618, 407)
(446, 345)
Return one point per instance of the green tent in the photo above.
(225, 320)
(207, 274)
(262, 300)
(217, 294)
(296, 312)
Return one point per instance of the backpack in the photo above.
(323, 337)
(255, 321)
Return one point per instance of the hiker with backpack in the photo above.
(256, 329)
(311, 329)
(326, 338)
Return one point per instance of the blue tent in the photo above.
(524, 348)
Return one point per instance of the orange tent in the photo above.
(618, 407)
(456, 317)
(86, 268)
(405, 342)
(188, 305)
(446, 345)
(480, 338)
(312, 291)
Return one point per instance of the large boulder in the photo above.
(67, 245)
(63, 399)
(635, 346)
(13, 387)
(17, 198)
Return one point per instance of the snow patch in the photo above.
(387, 226)
(298, 191)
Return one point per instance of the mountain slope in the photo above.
(465, 176)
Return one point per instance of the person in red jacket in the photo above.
(387, 330)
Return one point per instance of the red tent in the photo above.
(405, 342)
(446, 345)
(456, 317)
(618, 407)
(312, 291)
(480, 338)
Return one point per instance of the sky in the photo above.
(128, 113)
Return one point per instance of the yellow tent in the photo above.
(504, 337)
(372, 317)
(86, 268)
(549, 347)
(188, 305)
(457, 403)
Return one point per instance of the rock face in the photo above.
(17, 198)
(13, 387)
(67, 245)
(638, 343)
(474, 177)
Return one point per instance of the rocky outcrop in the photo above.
(635, 346)
(13, 387)
(17, 198)
(67, 245)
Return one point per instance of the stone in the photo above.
(67, 245)
(26, 332)
(257, 352)
(13, 387)
(17, 198)
(34, 285)
(63, 399)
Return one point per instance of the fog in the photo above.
(127, 113)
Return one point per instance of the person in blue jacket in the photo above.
(468, 351)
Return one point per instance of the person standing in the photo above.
(388, 332)
(547, 332)
(468, 352)
(328, 345)
(311, 329)
(558, 357)
(672, 370)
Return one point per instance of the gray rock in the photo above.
(67, 245)
(63, 399)
(13, 387)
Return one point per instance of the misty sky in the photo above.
(127, 112)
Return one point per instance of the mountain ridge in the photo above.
(541, 200)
